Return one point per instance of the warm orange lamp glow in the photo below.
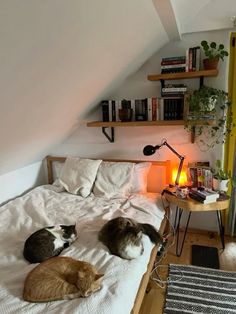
(183, 179)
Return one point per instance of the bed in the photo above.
(124, 282)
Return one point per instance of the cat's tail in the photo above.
(151, 232)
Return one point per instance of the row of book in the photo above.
(148, 109)
(190, 62)
(200, 175)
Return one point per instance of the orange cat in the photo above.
(61, 278)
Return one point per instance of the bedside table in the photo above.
(190, 206)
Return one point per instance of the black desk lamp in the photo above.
(150, 150)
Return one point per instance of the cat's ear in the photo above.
(97, 276)
(139, 235)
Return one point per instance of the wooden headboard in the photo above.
(152, 177)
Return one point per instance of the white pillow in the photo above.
(139, 178)
(113, 179)
(78, 175)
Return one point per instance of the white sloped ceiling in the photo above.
(57, 59)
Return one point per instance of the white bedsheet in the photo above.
(44, 207)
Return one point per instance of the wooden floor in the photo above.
(153, 302)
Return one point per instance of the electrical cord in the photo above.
(164, 247)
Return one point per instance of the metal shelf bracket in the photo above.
(111, 136)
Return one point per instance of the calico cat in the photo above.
(61, 278)
(123, 237)
(48, 242)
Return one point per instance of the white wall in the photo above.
(19, 181)
(129, 141)
(57, 58)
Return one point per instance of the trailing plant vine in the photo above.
(211, 116)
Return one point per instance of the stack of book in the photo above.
(173, 64)
(193, 59)
(204, 196)
(173, 90)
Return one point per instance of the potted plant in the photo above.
(210, 115)
(221, 177)
(213, 53)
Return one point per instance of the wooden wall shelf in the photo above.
(112, 125)
(182, 75)
(135, 123)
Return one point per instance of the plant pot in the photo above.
(210, 64)
(125, 115)
(220, 185)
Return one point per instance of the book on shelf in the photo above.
(175, 58)
(105, 110)
(193, 59)
(173, 70)
(199, 173)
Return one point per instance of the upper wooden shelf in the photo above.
(135, 123)
(182, 75)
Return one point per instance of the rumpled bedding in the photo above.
(44, 206)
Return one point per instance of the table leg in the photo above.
(221, 228)
(178, 214)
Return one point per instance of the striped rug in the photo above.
(193, 289)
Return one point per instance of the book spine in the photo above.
(149, 108)
(154, 108)
(173, 58)
(174, 70)
(161, 108)
(173, 66)
(190, 63)
(133, 108)
(105, 110)
(113, 110)
(187, 61)
(174, 89)
(117, 106)
(198, 58)
(172, 62)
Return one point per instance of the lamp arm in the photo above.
(172, 149)
(180, 164)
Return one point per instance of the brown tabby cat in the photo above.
(61, 278)
(123, 236)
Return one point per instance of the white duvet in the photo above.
(44, 207)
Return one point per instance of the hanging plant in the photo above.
(210, 115)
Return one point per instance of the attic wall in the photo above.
(129, 141)
(57, 59)
(16, 182)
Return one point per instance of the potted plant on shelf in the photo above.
(209, 113)
(221, 177)
(213, 53)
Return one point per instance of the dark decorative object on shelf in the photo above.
(125, 113)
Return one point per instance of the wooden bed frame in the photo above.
(164, 225)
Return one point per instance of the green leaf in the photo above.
(213, 45)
